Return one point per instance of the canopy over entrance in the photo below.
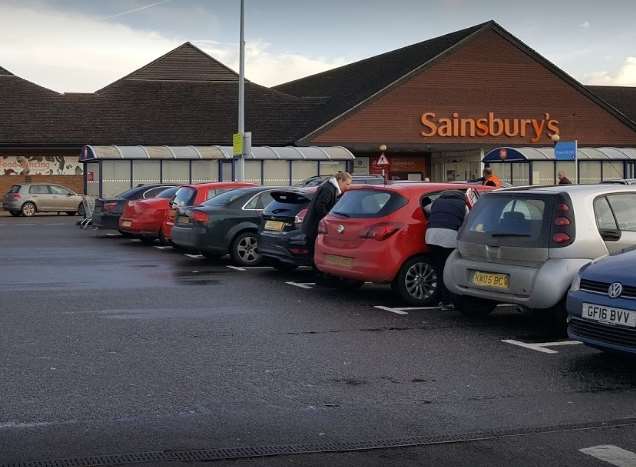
(526, 154)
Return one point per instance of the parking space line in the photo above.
(236, 268)
(167, 247)
(541, 346)
(193, 256)
(405, 310)
(612, 455)
(302, 285)
(118, 235)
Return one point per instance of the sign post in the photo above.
(566, 151)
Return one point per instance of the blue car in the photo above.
(602, 304)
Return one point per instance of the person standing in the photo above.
(325, 198)
(446, 216)
(563, 180)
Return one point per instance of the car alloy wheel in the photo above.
(28, 209)
(420, 281)
(244, 251)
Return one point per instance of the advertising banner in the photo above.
(40, 165)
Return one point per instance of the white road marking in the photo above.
(118, 235)
(397, 311)
(405, 310)
(540, 346)
(168, 247)
(612, 455)
(194, 256)
(302, 285)
(236, 268)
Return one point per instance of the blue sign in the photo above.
(565, 151)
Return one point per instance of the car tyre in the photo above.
(244, 250)
(340, 283)
(554, 320)
(472, 307)
(15, 213)
(70, 213)
(81, 211)
(28, 209)
(417, 283)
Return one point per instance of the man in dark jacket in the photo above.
(323, 201)
(446, 216)
(563, 180)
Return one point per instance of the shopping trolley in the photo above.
(88, 207)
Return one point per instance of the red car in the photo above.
(376, 234)
(144, 218)
(188, 196)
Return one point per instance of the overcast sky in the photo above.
(82, 45)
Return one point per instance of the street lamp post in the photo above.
(240, 173)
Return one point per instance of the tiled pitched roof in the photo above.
(5, 72)
(348, 85)
(622, 98)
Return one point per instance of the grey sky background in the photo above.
(82, 45)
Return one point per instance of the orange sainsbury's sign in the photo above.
(456, 126)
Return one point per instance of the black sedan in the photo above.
(280, 238)
(108, 210)
(227, 223)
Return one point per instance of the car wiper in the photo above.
(509, 234)
(341, 214)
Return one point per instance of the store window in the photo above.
(520, 173)
(146, 172)
(542, 173)
(205, 171)
(589, 172)
(253, 172)
(613, 170)
(332, 167)
(276, 173)
(115, 177)
(361, 165)
(304, 169)
(176, 172)
(569, 168)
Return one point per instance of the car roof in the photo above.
(576, 190)
(220, 184)
(421, 187)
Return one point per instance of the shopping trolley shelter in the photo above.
(116, 352)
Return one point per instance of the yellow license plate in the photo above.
(277, 226)
(183, 220)
(339, 260)
(489, 279)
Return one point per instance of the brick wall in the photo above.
(74, 182)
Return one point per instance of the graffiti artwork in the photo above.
(40, 165)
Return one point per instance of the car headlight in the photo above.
(576, 283)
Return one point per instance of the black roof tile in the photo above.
(622, 98)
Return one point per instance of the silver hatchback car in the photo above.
(524, 246)
(29, 198)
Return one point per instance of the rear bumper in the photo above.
(106, 221)
(277, 247)
(146, 229)
(195, 238)
(11, 205)
(548, 285)
(374, 262)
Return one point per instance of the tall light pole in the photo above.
(240, 175)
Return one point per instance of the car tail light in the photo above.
(110, 205)
(322, 227)
(563, 228)
(300, 217)
(381, 231)
(200, 216)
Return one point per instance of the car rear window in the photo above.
(287, 203)
(184, 196)
(225, 198)
(368, 203)
(14, 189)
(511, 219)
(168, 193)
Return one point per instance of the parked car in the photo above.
(143, 218)
(27, 199)
(280, 237)
(108, 210)
(226, 223)
(621, 181)
(377, 234)
(602, 304)
(525, 246)
(317, 180)
(188, 196)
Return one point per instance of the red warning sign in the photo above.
(382, 161)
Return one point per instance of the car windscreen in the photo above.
(509, 219)
(225, 198)
(168, 193)
(184, 196)
(368, 203)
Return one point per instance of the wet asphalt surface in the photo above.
(112, 347)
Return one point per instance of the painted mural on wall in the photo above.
(40, 165)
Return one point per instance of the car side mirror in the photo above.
(610, 235)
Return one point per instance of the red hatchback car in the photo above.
(188, 196)
(376, 234)
(143, 218)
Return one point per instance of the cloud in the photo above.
(624, 76)
(585, 25)
(73, 52)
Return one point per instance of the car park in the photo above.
(188, 196)
(107, 211)
(144, 218)
(602, 304)
(226, 223)
(376, 234)
(27, 199)
(280, 237)
(524, 246)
